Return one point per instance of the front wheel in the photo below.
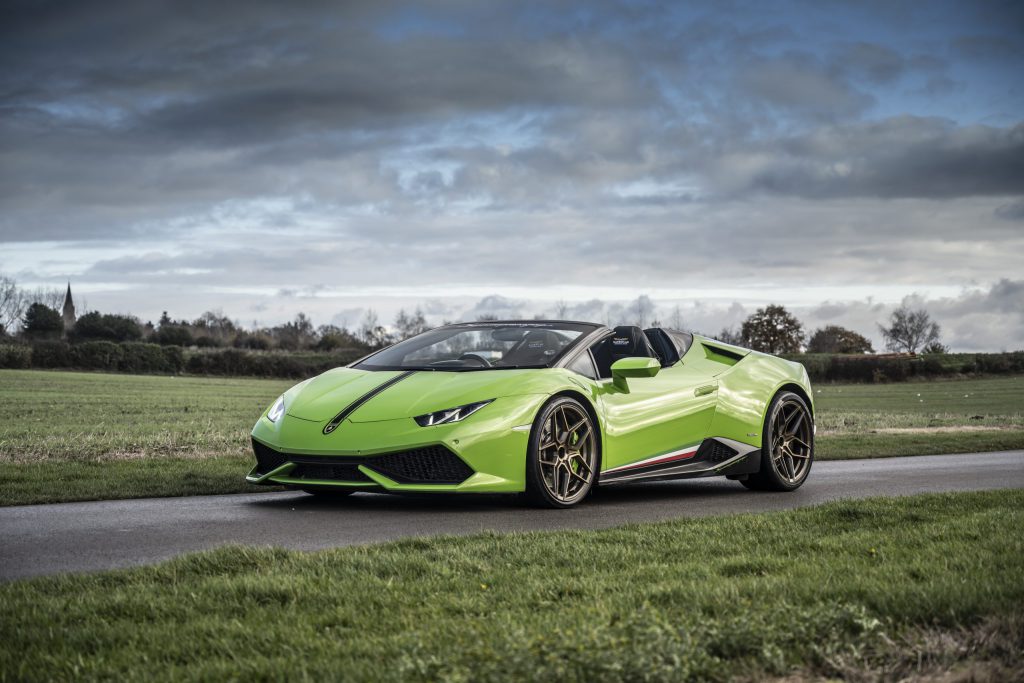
(562, 460)
(787, 449)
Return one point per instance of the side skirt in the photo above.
(716, 456)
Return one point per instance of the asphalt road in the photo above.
(73, 537)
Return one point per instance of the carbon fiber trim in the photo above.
(715, 456)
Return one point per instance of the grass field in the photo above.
(80, 436)
(919, 418)
(856, 589)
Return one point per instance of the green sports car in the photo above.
(549, 409)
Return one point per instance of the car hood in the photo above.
(416, 393)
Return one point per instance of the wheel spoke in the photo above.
(566, 454)
(583, 480)
(793, 423)
(793, 454)
(576, 426)
(583, 462)
(790, 441)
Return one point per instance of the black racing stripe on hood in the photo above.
(340, 417)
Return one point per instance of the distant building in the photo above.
(69, 310)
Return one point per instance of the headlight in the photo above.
(276, 410)
(443, 417)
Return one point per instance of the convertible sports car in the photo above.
(550, 409)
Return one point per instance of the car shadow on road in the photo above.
(685, 492)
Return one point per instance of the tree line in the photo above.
(33, 316)
(775, 330)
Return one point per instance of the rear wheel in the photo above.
(562, 460)
(787, 449)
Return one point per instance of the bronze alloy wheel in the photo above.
(791, 441)
(563, 458)
(787, 450)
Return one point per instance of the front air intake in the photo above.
(267, 459)
(428, 465)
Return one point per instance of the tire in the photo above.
(328, 493)
(787, 449)
(563, 457)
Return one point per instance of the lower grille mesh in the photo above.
(427, 465)
(432, 465)
(328, 472)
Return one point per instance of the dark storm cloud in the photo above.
(800, 83)
(877, 63)
(1012, 211)
(899, 157)
(140, 112)
(277, 146)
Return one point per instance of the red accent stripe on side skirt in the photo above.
(668, 458)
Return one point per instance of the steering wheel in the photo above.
(477, 357)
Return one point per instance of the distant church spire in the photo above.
(69, 310)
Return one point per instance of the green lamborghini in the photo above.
(549, 409)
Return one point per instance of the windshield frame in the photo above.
(585, 329)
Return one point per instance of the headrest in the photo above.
(537, 347)
(628, 341)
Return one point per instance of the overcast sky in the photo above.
(263, 158)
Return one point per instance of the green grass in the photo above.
(919, 418)
(89, 436)
(91, 416)
(889, 586)
(80, 436)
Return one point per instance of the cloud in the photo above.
(904, 156)
(978, 319)
(231, 151)
(1011, 211)
(878, 64)
(495, 306)
(799, 83)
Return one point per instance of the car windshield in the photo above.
(481, 346)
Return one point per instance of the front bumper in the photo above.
(486, 453)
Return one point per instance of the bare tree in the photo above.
(729, 335)
(675, 320)
(910, 331)
(409, 325)
(561, 309)
(12, 303)
(644, 308)
(371, 332)
(51, 297)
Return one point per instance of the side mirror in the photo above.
(633, 367)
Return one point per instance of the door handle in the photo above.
(705, 390)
